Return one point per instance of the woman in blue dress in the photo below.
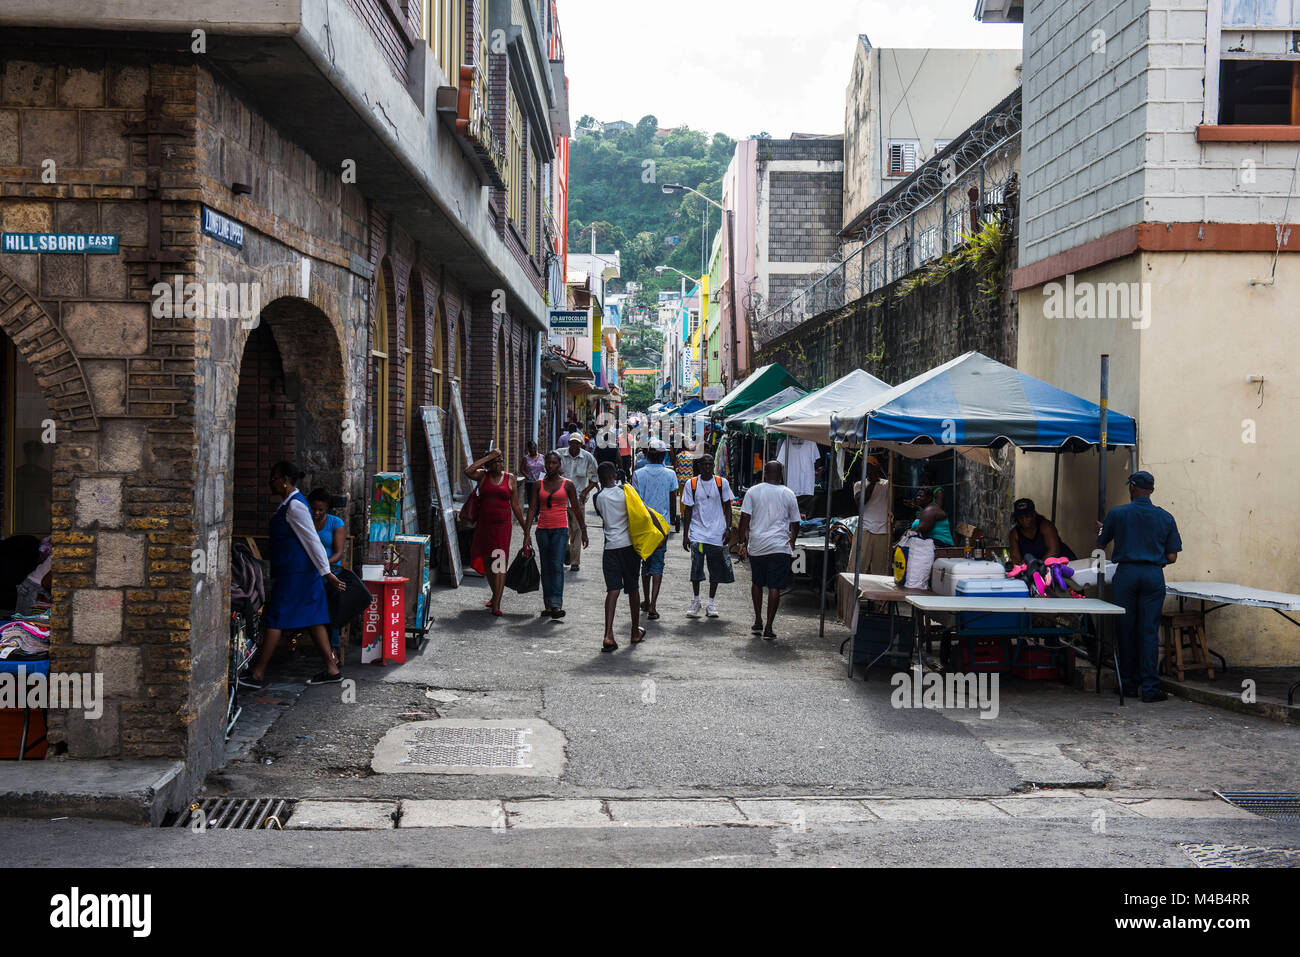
(300, 571)
(330, 529)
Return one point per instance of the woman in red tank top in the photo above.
(489, 553)
(552, 498)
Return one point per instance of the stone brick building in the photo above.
(341, 178)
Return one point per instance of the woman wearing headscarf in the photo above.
(489, 553)
(300, 571)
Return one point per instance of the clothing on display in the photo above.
(799, 458)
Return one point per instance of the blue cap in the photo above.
(1143, 480)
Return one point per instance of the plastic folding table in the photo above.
(944, 605)
(1228, 594)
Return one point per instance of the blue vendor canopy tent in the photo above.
(689, 407)
(976, 402)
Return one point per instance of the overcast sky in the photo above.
(744, 66)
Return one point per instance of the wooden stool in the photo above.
(1175, 628)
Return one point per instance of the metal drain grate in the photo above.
(468, 747)
(1240, 855)
(237, 814)
(1278, 805)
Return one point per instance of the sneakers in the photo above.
(325, 678)
(1152, 698)
(712, 610)
(246, 680)
(756, 627)
(694, 610)
(769, 634)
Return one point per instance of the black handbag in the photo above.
(346, 605)
(523, 575)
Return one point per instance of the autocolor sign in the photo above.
(569, 322)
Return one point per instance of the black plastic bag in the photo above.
(523, 575)
(346, 605)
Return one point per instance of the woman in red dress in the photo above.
(489, 553)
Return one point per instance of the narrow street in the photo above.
(724, 747)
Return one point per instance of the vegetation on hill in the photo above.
(615, 182)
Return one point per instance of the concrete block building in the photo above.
(1158, 208)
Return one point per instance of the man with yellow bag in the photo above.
(632, 532)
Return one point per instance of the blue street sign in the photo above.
(59, 243)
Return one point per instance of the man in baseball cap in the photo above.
(1146, 540)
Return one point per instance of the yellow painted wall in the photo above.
(1184, 378)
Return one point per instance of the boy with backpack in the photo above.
(706, 521)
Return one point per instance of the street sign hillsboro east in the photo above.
(59, 243)
(569, 322)
(222, 228)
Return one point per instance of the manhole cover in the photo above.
(518, 746)
(1277, 805)
(1241, 855)
(469, 747)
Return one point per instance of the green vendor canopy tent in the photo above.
(752, 419)
(763, 383)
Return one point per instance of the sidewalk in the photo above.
(704, 710)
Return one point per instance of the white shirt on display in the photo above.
(799, 457)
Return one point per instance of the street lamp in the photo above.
(669, 189)
(659, 271)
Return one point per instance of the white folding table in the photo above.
(954, 605)
(1226, 594)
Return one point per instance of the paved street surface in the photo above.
(706, 745)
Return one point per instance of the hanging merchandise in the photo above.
(799, 457)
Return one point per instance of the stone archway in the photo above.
(49, 353)
(297, 336)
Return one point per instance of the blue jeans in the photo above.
(552, 543)
(1140, 589)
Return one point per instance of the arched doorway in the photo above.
(500, 435)
(27, 450)
(382, 341)
(290, 404)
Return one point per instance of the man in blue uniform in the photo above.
(1146, 540)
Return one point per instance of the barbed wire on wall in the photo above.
(972, 180)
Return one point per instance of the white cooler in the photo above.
(946, 572)
(1085, 571)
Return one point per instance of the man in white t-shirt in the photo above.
(874, 557)
(620, 563)
(769, 525)
(706, 527)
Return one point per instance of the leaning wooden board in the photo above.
(432, 417)
(459, 411)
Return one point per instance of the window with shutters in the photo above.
(902, 157)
